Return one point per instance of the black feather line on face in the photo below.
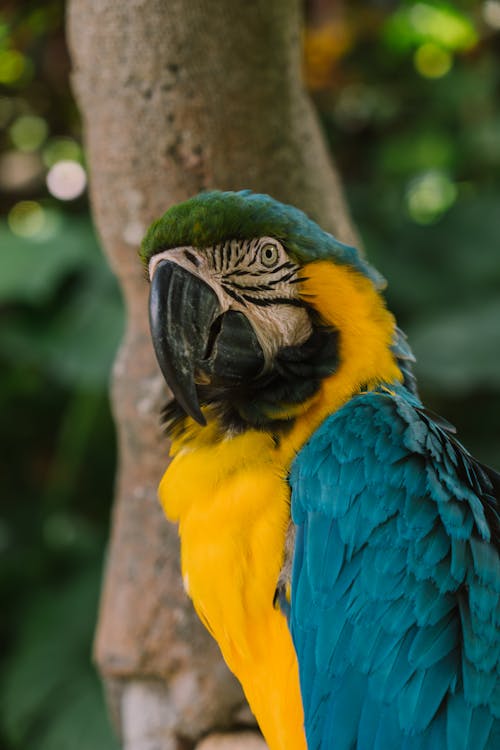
(192, 257)
(286, 277)
(287, 264)
(233, 294)
(247, 288)
(243, 272)
(254, 258)
(273, 301)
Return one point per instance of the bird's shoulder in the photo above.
(387, 439)
(396, 580)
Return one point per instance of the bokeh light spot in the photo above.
(28, 132)
(443, 25)
(26, 218)
(66, 180)
(324, 45)
(32, 221)
(20, 171)
(491, 13)
(431, 61)
(61, 149)
(429, 195)
(12, 66)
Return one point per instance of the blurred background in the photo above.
(409, 97)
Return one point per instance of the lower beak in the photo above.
(194, 340)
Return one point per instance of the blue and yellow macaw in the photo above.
(338, 542)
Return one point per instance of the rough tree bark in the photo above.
(178, 96)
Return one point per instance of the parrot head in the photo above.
(253, 306)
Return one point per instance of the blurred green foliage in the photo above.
(61, 321)
(408, 93)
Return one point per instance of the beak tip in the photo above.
(188, 401)
(198, 416)
(201, 420)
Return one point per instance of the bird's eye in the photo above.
(269, 255)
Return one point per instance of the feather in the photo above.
(458, 722)
(433, 643)
(486, 563)
(389, 733)
(460, 559)
(369, 723)
(481, 646)
(478, 684)
(431, 605)
(430, 696)
(431, 549)
(328, 635)
(327, 553)
(482, 730)
(344, 713)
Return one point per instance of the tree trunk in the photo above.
(178, 96)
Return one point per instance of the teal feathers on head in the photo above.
(213, 217)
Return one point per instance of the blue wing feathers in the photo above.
(458, 724)
(483, 602)
(396, 583)
(486, 563)
(433, 643)
(322, 560)
(484, 730)
(459, 559)
(428, 551)
(388, 732)
(430, 605)
(421, 697)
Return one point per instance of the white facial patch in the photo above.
(256, 277)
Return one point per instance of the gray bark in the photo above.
(178, 96)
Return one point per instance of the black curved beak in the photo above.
(194, 341)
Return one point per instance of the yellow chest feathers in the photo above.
(232, 504)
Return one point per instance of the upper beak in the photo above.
(195, 340)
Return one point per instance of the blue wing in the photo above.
(395, 607)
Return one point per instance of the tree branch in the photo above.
(176, 97)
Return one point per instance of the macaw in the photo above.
(337, 540)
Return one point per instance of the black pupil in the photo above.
(269, 253)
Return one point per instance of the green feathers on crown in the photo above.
(213, 217)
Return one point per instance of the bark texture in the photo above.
(176, 97)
